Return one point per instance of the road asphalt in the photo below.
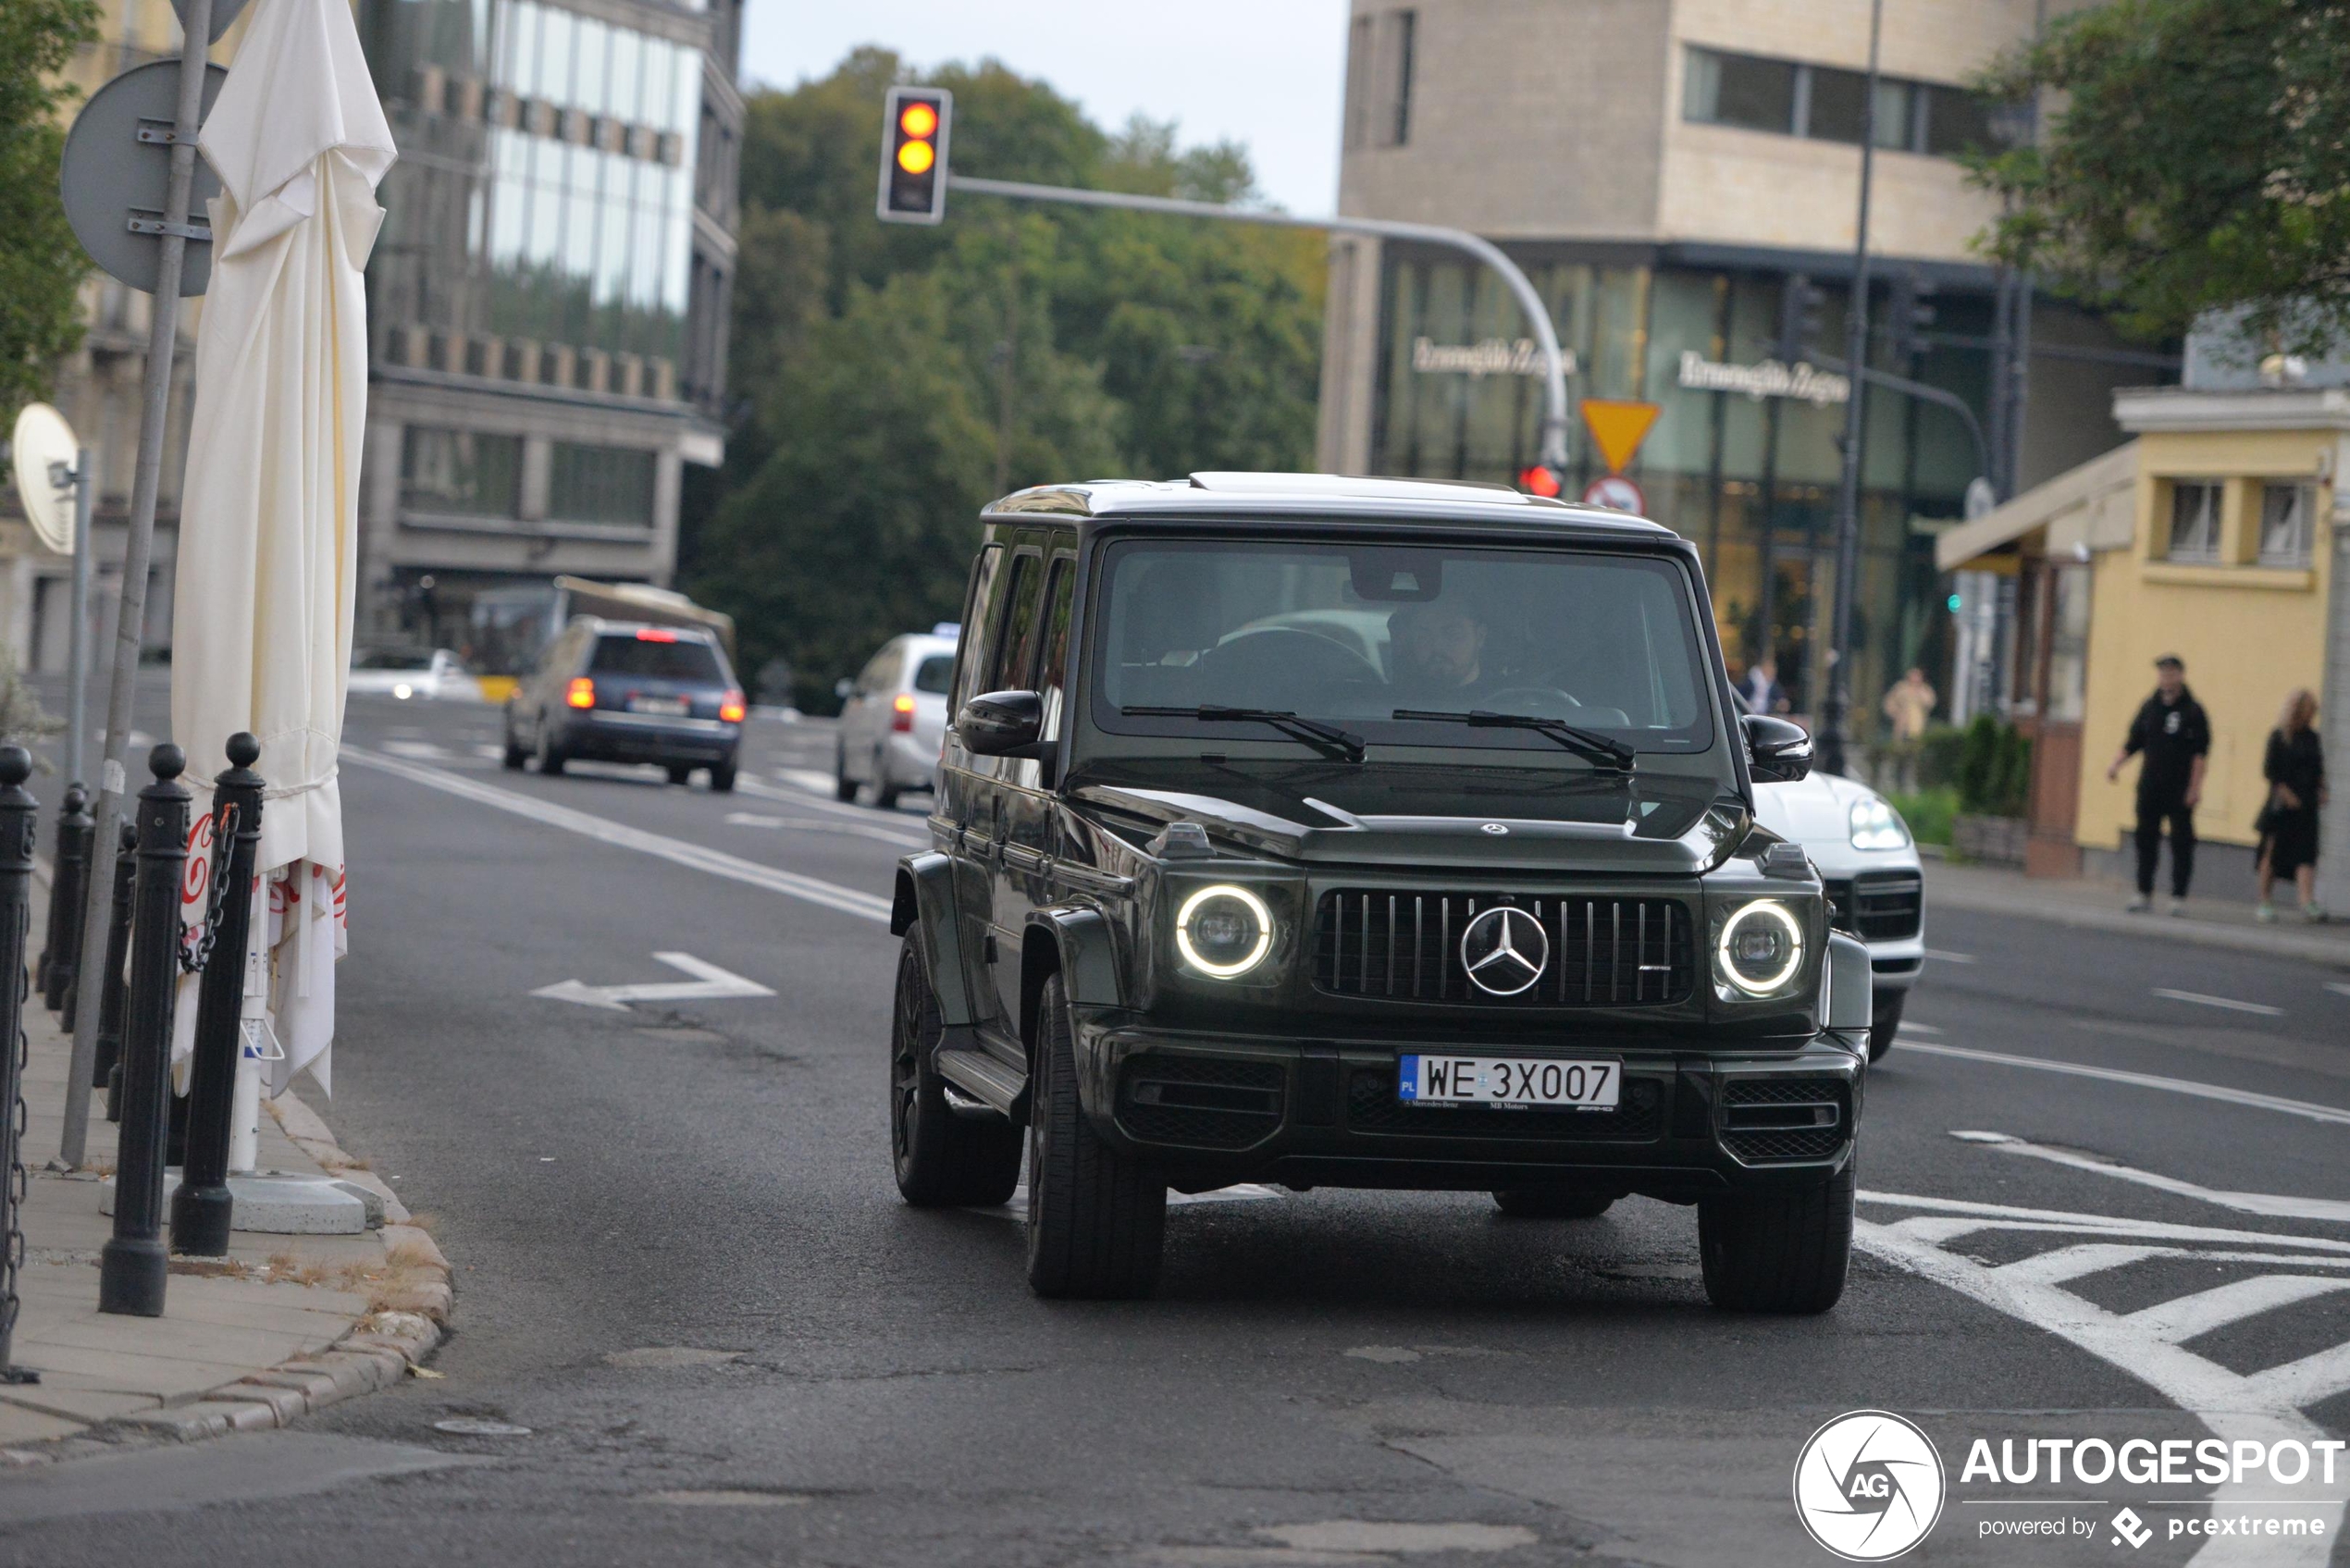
(2102, 1199)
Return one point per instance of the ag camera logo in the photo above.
(1869, 1486)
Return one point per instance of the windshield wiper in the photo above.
(1312, 732)
(1604, 751)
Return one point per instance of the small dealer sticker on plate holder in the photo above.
(1548, 1082)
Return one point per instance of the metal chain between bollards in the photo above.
(17, 813)
(195, 949)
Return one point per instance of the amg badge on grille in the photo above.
(1504, 950)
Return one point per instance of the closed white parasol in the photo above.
(268, 533)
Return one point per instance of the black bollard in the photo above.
(134, 1265)
(115, 990)
(74, 800)
(17, 810)
(201, 1210)
(67, 891)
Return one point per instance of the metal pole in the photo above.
(202, 1209)
(17, 812)
(85, 485)
(1554, 422)
(133, 1263)
(1848, 504)
(107, 1071)
(163, 337)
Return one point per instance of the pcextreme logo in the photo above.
(1869, 1486)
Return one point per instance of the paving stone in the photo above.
(19, 1425)
(55, 1396)
(286, 1403)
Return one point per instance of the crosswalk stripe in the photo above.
(2186, 1317)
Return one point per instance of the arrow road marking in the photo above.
(848, 901)
(712, 983)
(2274, 1205)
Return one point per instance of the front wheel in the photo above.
(515, 755)
(1777, 1251)
(884, 792)
(843, 788)
(1550, 1203)
(1097, 1220)
(942, 1160)
(550, 755)
(681, 772)
(1885, 1023)
(721, 777)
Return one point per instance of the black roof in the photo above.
(1321, 497)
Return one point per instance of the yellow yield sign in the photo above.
(1618, 427)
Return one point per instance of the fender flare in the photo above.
(1851, 986)
(1079, 943)
(925, 896)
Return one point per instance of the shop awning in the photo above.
(2093, 505)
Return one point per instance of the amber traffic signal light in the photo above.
(913, 171)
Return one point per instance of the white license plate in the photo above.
(675, 707)
(1509, 1080)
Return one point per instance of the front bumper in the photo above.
(1896, 963)
(598, 736)
(1210, 1110)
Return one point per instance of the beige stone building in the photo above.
(1681, 179)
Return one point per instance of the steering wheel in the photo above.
(1541, 702)
(1282, 659)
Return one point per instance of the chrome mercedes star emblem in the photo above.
(1497, 827)
(1504, 950)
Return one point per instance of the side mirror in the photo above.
(1002, 724)
(842, 687)
(1778, 750)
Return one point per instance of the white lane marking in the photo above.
(1909, 1027)
(808, 778)
(422, 750)
(2272, 1205)
(2263, 1406)
(1959, 1216)
(870, 826)
(1016, 1206)
(1940, 956)
(2340, 988)
(490, 750)
(752, 819)
(898, 821)
(2230, 1003)
(709, 983)
(2306, 1109)
(791, 884)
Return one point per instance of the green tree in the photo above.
(2197, 158)
(41, 263)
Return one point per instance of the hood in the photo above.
(1526, 819)
(1810, 810)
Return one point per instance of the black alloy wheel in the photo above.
(942, 1160)
(1783, 1251)
(1097, 1220)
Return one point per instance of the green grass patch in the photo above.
(1928, 812)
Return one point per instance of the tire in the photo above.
(942, 1160)
(1884, 1023)
(1550, 1203)
(681, 772)
(1778, 1251)
(885, 794)
(551, 757)
(843, 788)
(515, 755)
(1096, 1221)
(721, 777)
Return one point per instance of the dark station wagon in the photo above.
(1365, 833)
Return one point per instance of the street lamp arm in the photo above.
(1938, 396)
(1554, 422)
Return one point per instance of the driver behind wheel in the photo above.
(1439, 655)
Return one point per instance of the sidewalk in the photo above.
(284, 1326)
(2097, 906)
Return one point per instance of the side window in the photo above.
(978, 623)
(1016, 645)
(1052, 669)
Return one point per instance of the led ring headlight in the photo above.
(1223, 931)
(1790, 934)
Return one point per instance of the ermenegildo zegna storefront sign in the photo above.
(1495, 356)
(1770, 378)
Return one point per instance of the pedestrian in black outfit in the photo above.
(2295, 768)
(2175, 737)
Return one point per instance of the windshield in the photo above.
(1350, 634)
(657, 658)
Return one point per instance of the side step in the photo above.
(1000, 1088)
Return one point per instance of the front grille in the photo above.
(1407, 945)
(1764, 1120)
(1201, 1102)
(1371, 1107)
(1880, 906)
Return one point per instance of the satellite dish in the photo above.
(43, 451)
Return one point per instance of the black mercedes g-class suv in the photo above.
(1365, 833)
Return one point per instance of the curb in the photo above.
(379, 1350)
(2322, 951)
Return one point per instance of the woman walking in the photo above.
(2295, 768)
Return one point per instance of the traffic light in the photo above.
(913, 169)
(1540, 480)
(1800, 302)
(1909, 316)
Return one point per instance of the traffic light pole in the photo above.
(1847, 502)
(1554, 421)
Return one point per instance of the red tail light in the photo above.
(730, 708)
(582, 693)
(654, 634)
(901, 718)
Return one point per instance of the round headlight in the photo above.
(1876, 825)
(1224, 930)
(1762, 947)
